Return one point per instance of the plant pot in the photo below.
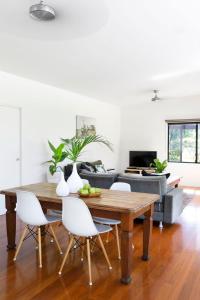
(62, 189)
(75, 182)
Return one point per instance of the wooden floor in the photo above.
(172, 273)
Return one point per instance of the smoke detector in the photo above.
(42, 12)
(155, 97)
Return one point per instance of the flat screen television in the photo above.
(141, 159)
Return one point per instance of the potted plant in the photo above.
(73, 150)
(58, 156)
(159, 166)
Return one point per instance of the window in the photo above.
(184, 142)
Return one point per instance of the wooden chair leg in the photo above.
(89, 261)
(118, 244)
(107, 237)
(93, 246)
(82, 249)
(66, 254)
(55, 239)
(40, 247)
(20, 242)
(104, 252)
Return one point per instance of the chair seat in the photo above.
(52, 219)
(103, 228)
(106, 221)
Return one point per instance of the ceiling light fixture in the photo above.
(155, 97)
(42, 12)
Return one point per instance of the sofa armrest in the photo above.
(173, 205)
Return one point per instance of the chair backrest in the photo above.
(77, 218)
(29, 209)
(121, 186)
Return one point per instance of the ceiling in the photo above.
(113, 50)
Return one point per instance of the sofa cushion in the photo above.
(96, 162)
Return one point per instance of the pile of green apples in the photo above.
(87, 190)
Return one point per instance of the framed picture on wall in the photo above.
(85, 126)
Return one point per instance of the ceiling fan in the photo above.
(155, 97)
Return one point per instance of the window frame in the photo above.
(196, 148)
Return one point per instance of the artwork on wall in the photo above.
(85, 126)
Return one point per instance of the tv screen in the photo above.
(141, 158)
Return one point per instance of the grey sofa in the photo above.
(169, 206)
(166, 209)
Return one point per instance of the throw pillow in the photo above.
(100, 169)
(96, 162)
(88, 166)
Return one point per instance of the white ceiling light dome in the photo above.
(155, 97)
(42, 12)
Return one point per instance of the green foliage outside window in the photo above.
(183, 140)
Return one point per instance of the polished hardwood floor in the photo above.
(173, 271)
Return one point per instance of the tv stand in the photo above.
(138, 170)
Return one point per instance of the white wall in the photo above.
(50, 113)
(144, 128)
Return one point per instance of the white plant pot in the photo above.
(75, 182)
(62, 189)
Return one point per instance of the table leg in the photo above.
(147, 232)
(43, 227)
(126, 248)
(11, 221)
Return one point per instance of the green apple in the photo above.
(86, 187)
(97, 190)
(84, 192)
(92, 190)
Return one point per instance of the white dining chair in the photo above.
(116, 186)
(30, 212)
(78, 221)
(121, 186)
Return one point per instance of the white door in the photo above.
(9, 150)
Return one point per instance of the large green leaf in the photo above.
(52, 147)
(52, 169)
(58, 156)
(75, 145)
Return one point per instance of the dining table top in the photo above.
(120, 201)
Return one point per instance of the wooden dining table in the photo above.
(125, 206)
